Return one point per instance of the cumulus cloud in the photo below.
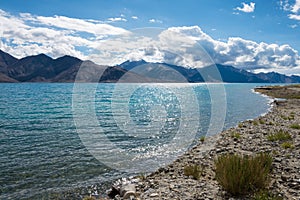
(292, 7)
(294, 16)
(56, 36)
(243, 53)
(188, 46)
(296, 6)
(295, 10)
(191, 47)
(248, 8)
(134, 17)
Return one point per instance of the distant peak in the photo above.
(3, 52)
(67, 57)
(42, 55)
(142, 61)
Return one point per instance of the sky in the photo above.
(256, 35)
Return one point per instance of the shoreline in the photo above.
(248, 138)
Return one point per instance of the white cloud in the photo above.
(56, 36)
(284, 4)
(248, 8)
(293, 8)
(134, 17)
(190, 46)
(155, 21)
(117, 19)
(294, 16)
(241, 53)
(80, 25)
(296, 6)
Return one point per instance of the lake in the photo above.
(55, 137)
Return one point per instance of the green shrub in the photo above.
(193, 170)
(279, 136)
(240, 175)
(271, 123)
(295, 126)
(142, 176)
(255, 123)
(89, 198)
(235, 135)
(202, 139)
(284, 117)
(265, 195)
(287, 145)
(261, 121)
(240, 125)
(291, 117)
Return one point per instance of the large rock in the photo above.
(128, 190)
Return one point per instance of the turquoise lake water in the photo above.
(57, 137)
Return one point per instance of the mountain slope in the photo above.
(32, 68)
(234, 75)
(5, 79)
(6, 59)
(169, 73)
(42, 68)
(273, 77)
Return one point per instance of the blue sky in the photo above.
(254, 27)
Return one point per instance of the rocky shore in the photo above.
(248, 138)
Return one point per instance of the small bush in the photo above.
(89, 198)
(295, 126)
(240, 175)
(287, 145)
(271, 123)
(291, 117)
(274, 152)
(255, 123)
(261, 121)
(284, 117)
(202, 139)
(193, 170)
(142, 176)
(240, 125)
(265, 195)
(235, 135)
(279, 136)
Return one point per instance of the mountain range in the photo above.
(42, 68)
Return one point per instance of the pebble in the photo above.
(154, 195)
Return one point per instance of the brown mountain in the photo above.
(6, 59)
(42, 68)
